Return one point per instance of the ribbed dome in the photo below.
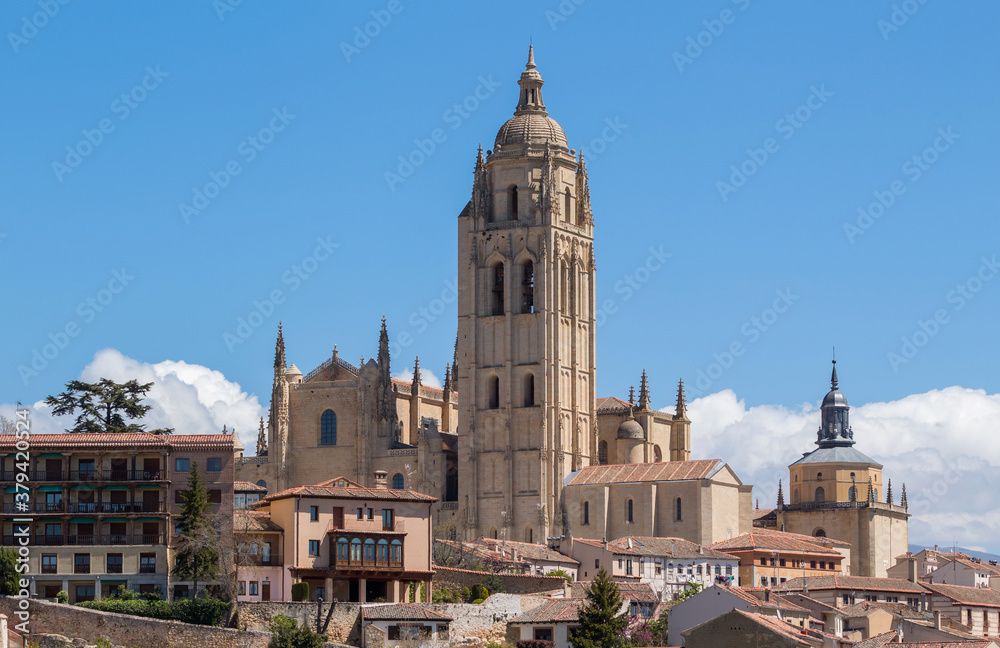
(835, 398)
(530, 128)
(630, 429)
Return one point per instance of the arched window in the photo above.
(564, 287)
(529, 390)
(852, 494)
(356, 550)
(512, 201)
(528, 287)
(397, 481)
(493, 392)
(820, 494)
(657, 454)
(383, 552)
(795, 496)
(493, 533)
(262, 483)
(498, 307)
(328, 428)
(569, 206)
(586, 513)
(819, 533)
(342, 550)
(396, 552)
(819, 476)
(370, 550)
(876, 494)
(529, 534)
(678, 511)
(628, 511)
(602, 453)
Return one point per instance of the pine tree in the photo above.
(197, 544)
(602, 619)
(104, 406)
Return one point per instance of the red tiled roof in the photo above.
(400, 612)
(878, 641)
(130, 440)
(774, 624)
(824, 540)
(351, 492)
(646, 472)
(677, 548)
(759, 513)
(240, 486)
(761, 540)
(975, 566)
(859, 583)
(864, 608)
(248, 521)
(962, 595)
(755, 597)
(612, 403)
(555, 610)
(526, 550)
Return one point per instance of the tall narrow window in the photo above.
(529, 535)
(528, 287)
(564, 288)
(677, 505)
(569, 207)
(328, 428)
(529, 390)
(628, 511)
(820, 494)
(586, 513)
(493, 391)
(498, 308)
(397, 481)
(602, 453)
(512, 201)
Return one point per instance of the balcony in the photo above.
(80, 539)
(273, 560)
(353, 525)
(85, 507)
(147, 568)
(40, 540)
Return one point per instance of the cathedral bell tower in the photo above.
(525, 326)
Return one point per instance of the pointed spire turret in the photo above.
(447, 377)
(261, 440)
(631, 395)
(835, 427)
(902, 499)
(454, 362)
(530, 99)
(480, 187)
(643, 392)
(279, 351)
(888, 493)
(871, 491)
(584, 214)
(416, 372)
(781, 496)
(681, 410)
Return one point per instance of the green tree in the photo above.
(197, 544)
(689, 590)
(104, 406)
(602, 619)
(8, 572)
(285, 633)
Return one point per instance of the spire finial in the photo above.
(781, 496)
(261, 440)
(643, 392)
(631, 395)
(416, 370)
(833, 377)
(531, 56)
(447, 377)
(888, 493)
(279, 350)
(902, 500)
(681, 409)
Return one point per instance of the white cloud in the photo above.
(942, 444)
(190, 398)
(427, 377)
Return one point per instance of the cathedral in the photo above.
(518, 412)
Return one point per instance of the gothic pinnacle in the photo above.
(902, 499)
(261, 439)
(888, 493)
(279, 350)
(416, 371)
(447, 377)
(631, 395)
(681, 409)
(643, 392)
(781, 496)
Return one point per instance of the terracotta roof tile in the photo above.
(401, 612)
(755, 597)
(645, 472)
(676, 548)
(878, 641)
(247, 521)
(859, 583)
(552, 611)
(527, 550)
(781, 627)
(962, 595)
(351, 492)
(825, 540)
(612, 403)
(241, 486)
(765, 540)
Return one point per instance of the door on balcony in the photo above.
(338, 517)
(151, 469)
(53, 469)
(119, 533)
(265, 591)
(150, 532)
(119, 469)
(85, 501)
(150, 501)
(119, 502)
(85, 534)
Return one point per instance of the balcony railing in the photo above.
(261, 561)
(87, 475)
(147, 569)
(40, 540)
(84, 507)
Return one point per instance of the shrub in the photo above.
(493, 582)
(300, 591)
(466, 594)
(62, 597)
(197, 611)
(102, 643)
(200, 611)
(287, 634)
(563, 573)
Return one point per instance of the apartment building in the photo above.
(349, 542)
(769, 558)
(98, 511)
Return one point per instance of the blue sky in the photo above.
(823, 106)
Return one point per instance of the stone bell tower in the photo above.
(526, 347)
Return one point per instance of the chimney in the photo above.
(937, 619)
(911, 569)
(381, 479)
(767, 596)
(605, 543)
(701, 550)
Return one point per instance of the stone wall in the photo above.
(121, 629)
(343, 628)
(455, 579)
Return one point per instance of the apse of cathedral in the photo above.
(518, 412)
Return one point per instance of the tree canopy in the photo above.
(602, 618)
(197, 546)
(104, 406)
